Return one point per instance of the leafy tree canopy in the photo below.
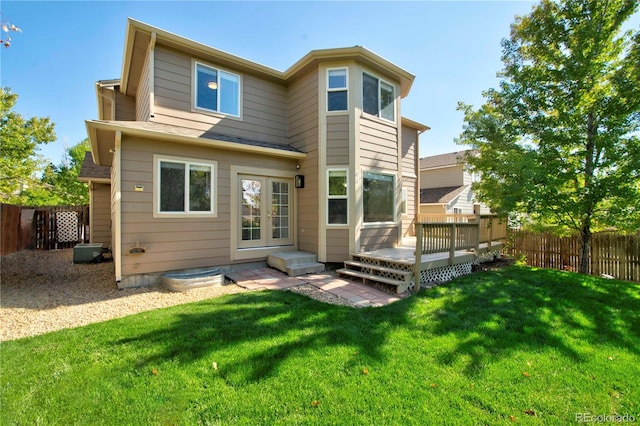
(559, 139)
(19, 141)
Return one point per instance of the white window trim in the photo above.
(394, 214)
(337, 197)
(157, 159)
(378, 116)
(337, 89)
(194, 91)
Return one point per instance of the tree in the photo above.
(66, 189)
(19, 140)
(559, 140)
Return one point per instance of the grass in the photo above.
(517, 344)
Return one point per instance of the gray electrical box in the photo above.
(85, 253)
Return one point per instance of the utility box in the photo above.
(86, 253)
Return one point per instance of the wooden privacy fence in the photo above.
(611, 254)
(43, 227)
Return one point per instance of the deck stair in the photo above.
(372, 270)
(295, 263)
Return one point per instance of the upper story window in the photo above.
(185, 186)
(337, 93)
(217, 90)
(378, 97)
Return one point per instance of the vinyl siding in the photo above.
(303, 135)
(409, 178)
(101, 214)
(143, 97)
(337, 140)
(442, 177)
(264, 103)
(378, 144)
(177, 243)
(125, 107)
(337, 245)
(377, 238)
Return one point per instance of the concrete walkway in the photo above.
(271, 279)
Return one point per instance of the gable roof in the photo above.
(91, 171)
(443, 195)
(444, 160)
(140, 37)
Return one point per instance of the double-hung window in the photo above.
(185, 187)
(338, 197)
(378, 97)
(337, 92)
(217, 90)
(378, 197)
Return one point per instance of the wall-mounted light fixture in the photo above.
(213, 85)
(137, 249)
(299, 181)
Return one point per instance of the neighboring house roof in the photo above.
(91, 171)
(158, 131)
(442, 195)
(444, 160)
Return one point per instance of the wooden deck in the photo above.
(440, 251)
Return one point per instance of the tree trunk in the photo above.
(584, 267)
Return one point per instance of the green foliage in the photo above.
(559, 139)
(19, 160)
(512, 345)
(63, 179)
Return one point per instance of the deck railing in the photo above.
(450, 233)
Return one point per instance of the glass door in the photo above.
(266, 211)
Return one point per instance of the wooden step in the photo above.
(407, 275)
(367, 278)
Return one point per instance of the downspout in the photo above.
(117, 206)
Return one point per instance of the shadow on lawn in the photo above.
(493, 314)
(251, 334)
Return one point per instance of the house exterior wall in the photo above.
(338, 140)
(303, 135)
(100, 213)
(143, 92)
(409, 178)
(263, 103)
(177, 243)
(125, 107)
(441, 177)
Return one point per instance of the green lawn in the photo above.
(516, 344)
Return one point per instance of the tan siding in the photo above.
(143, 96)
(438, 178)
(303, 135)
(337, 245)
(432, 209)
(378, 144)
(101, 214)
(408, 219)
(409, 178)
(337, 139)
(177, 243)
(264, 103)
(377, 238)
(125, 107)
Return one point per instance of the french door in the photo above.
(266, 209)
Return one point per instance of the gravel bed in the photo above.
(43, 291)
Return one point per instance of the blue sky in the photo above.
(453, 49)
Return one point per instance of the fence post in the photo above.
(452, 243)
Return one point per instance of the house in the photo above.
(445, 185)
(215, 160)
